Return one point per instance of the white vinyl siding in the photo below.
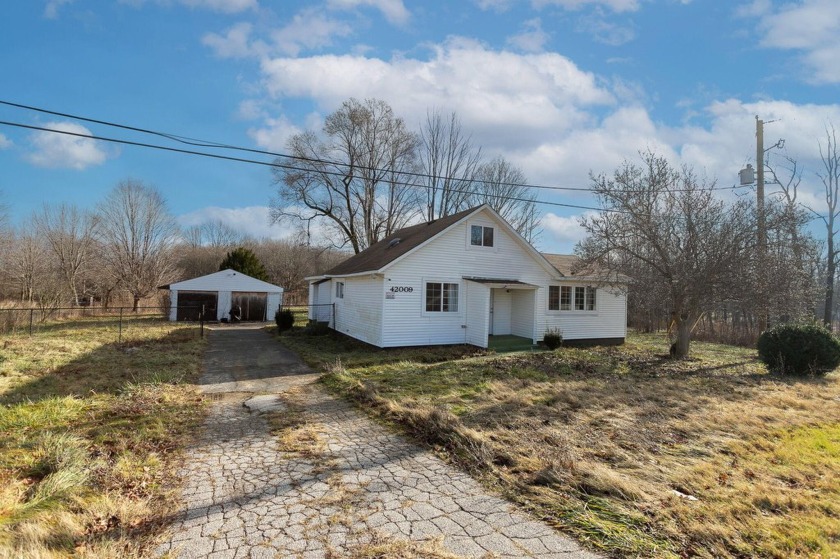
(608, 320)
(390, 309)
(405, 321)
(522, 313)
(359, 313)
(477, 320)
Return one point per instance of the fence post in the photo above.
(333, 316)
(31, 316)
(120, 337)
(201, 320)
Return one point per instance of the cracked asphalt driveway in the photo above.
(299, 473)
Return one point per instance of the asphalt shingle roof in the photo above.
(386, 251)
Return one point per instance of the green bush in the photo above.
(316, 328)
(553, 339)
(285, 319)
(799, 349)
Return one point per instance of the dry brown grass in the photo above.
(598, 441)
(89, 434)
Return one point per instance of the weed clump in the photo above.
(553, 339)
(285, 319)
(799, 349)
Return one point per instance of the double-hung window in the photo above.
(441, 297)
(562, 297)
(584, 298)
(481, 236)
(559, 297)
(339, 290)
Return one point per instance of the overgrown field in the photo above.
(89, 431)
(631, 452)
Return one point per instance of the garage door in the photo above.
(252, 305)
(191, 303)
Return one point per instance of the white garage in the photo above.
(216, 294)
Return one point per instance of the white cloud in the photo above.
(393, 10)
(251, 220)
(5, 142)
(561, 233)
(55, 150)
(614, 5)
(224, 6)
(274, 134)
(532, 38)
(810, 27)
(52, 7)
(517, 99)
(254, 221)
(235, 43)
(605, 31)
(309, 29)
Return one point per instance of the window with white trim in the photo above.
(567, 298)
(481, 236)
(584, 298)
(441, 297)
(559, 297)
(339, 290)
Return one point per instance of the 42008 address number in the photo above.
(401, 289)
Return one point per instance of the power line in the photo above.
(280, 165)
(212, 144)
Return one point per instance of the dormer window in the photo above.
(481, 236)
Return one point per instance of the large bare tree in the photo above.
(138, 234)
(830, 154)
(356, 177)
(665, 229)
(502, 186)
(449, 163)
(70, 235)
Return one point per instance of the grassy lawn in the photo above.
(89, 433)
(632, 453)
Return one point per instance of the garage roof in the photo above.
(225, 280)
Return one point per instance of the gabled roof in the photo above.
(563, 262)
(225, 280)
(401, 242)
(571, 266)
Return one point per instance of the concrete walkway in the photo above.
(298, 473)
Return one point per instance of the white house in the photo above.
(462, 279)
(219, 292)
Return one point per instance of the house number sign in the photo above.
(401, 289)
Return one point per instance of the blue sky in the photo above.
(559, 87)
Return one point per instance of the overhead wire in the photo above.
(212, 144)
(280, 165)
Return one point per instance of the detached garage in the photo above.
(218, 293)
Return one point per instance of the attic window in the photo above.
(481, 236)
(394, 242)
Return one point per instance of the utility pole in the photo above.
(762, 224)
(747, 177)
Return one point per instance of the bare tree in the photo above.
(449, 162)
(138, 234)
(69, 233)
(502, 186)
(830, 155)
(355, 178)
(28, 263)
(665, 230)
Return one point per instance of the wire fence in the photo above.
(36, 320)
